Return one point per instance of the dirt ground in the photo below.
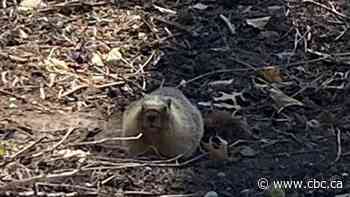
(279, 68)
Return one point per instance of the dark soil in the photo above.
(301, 134)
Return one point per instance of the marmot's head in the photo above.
(154, 113)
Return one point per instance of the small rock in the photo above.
(211, 194)
(142, 35)
(221, 174)
(246, 192)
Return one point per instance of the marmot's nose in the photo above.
(151, 118)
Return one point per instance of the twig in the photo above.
(307, 86)
(46, 194)
(332, 10)
(26, 148)
(178, 164)
(164, 10)
(192, 160)
(134, 165)
(31, 180)
(339, 147)
(128, 165)
(249, 67)
(20, 152)
(70, 131)
(73, 4)
(212, 73)
(101, 141)
(118, 80)
(237, 142)
(303, 62)
(75, 187)
(13, 95)
(4, 4)
(110, 84)
(229, 24)
(291, 135)
(14, 58)
(72, 91)
(146, 63)
(173, 24)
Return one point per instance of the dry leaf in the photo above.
(200, 6)
(282, 100)
(248, 151)
(55, 65)
(114, 56)
(271, 74)
(2, 150)
(97, 60)
(258, 22)
(217, 148)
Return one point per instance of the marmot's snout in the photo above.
(152, 119)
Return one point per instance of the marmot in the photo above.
(168, 121)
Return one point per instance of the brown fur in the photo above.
(168, 121)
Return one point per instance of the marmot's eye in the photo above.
(168, 103)
(143, 107)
